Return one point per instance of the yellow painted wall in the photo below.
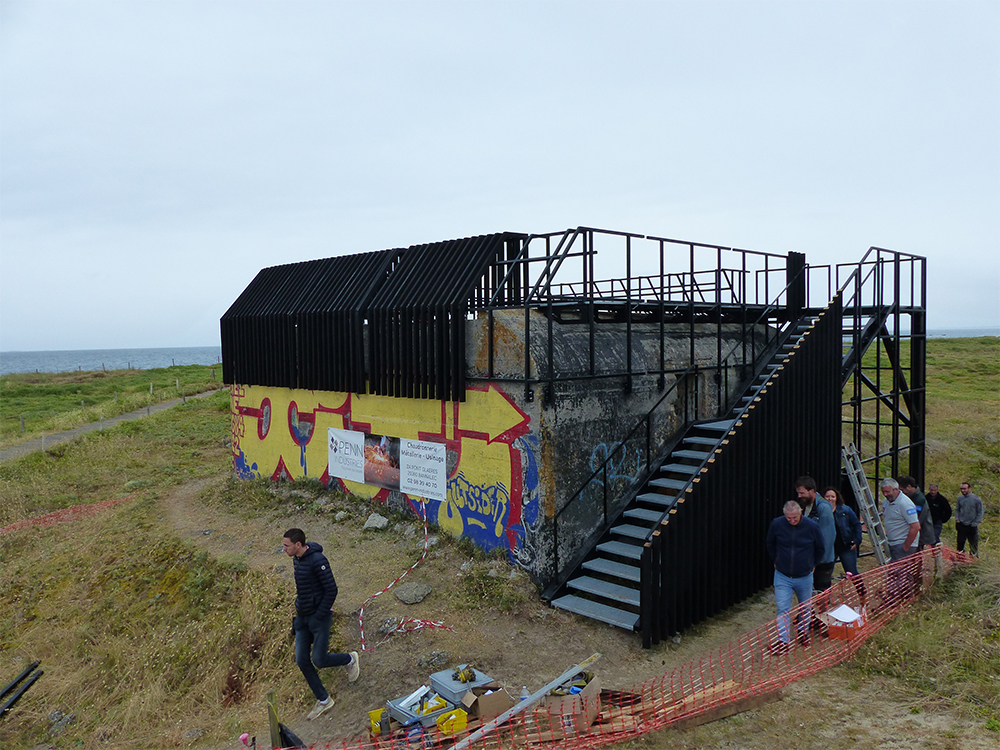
(492, 466)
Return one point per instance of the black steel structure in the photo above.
(823, 355)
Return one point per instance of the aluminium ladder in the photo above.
(866, 501)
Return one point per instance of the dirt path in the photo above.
(535, 643)
(47, 441)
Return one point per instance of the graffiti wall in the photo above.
(491, 456)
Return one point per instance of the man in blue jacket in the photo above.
(795, 545)
(315, 593)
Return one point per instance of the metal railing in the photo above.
(770, 322)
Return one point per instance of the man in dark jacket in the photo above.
(795, 545)
(315, 593)
(925, 538)
(940, 510)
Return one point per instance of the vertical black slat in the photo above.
(398, 352)
(461, 331)
(655, 567)
(918, 398)
(443, 353)
(448, 326)
(456, 356)
(425, 345)
(665, 616)
(687, 517)
(646, 604)
(380, 328)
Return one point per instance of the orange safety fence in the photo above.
(756, 664)
(760, 662)
(66, 514)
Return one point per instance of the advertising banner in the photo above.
(423, 469)
(412, 466)
(347, 454)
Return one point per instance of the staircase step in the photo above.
(686, 469)
(595, 611)
(702, 441)
(722, 425)
(696, 455)
(612, 568)
(631, 531)
(606, 589)
(621, 549)
(656, 498)
(643, 514)
(668, 484)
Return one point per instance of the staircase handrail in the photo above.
(753, 371)
(603, 468)
(645, 422)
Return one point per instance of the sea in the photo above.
(108, 359)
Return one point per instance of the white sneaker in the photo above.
(354, 668)
(319, 709)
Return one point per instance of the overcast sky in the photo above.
(154, 156)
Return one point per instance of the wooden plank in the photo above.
(527, 702)
(729, 709)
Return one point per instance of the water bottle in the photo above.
(524, 693)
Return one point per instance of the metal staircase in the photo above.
(606, 585)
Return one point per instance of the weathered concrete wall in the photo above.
(587, 420)
(512, 462)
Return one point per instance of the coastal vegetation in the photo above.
(33, 404)
(145, 634)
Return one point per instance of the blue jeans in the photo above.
(312, 633)
(784, 588)
(849, 559)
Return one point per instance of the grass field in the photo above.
(151, 629)
(52, 402)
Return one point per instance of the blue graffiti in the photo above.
(522, 552)
(483, 510)
(622, 464)
(242, 470)
(529, 497)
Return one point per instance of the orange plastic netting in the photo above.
(757, 663)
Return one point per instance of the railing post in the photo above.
(605, 492)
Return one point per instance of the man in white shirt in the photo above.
(899, 516)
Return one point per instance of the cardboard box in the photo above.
(839, 630)
(487, 701)
(406, 715)
(564, 715)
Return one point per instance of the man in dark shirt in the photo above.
(315, 593)
(940, 510)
